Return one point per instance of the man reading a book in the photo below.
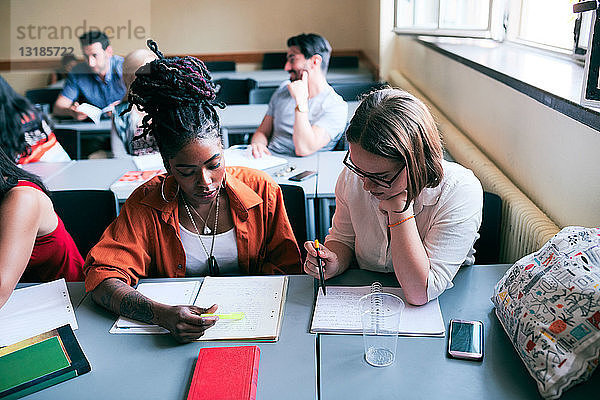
(98, 80)
(200, 219)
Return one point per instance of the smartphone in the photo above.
(302, 176)
(465, 339)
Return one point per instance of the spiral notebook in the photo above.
(339, 312)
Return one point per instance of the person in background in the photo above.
(126, 134)
(25, 133)
(98, 80)
(34, 244)
(202, 218)
(57, 78)
(399, 206)
(305, 114)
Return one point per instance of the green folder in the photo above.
(39, 362)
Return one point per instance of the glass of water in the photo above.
(380, 315)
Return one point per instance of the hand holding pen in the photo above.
(320, 265)
(329, 261)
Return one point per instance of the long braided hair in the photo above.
(178, 97)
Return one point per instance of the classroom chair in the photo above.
(295, 206)
(274, 60)
(69, 139)
(44, 97)
(214, 66)
(234, 91)
(86, 214)
(261, 95)
(352, 91)
(487, 247)
(343, 62)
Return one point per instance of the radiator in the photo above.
(525, 228)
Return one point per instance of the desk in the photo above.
(90, 174)
(156, 367)
(274, 77)
(330, 166)
(47, 170)
(422, 370)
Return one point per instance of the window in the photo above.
(465, 18)
(548, 24)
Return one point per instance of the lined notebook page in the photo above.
(339, 312)
(261, 299)
(171, 293)
(34, 310)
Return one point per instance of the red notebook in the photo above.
(225, 373)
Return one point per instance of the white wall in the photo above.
(552, 158)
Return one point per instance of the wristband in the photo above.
(400, 222)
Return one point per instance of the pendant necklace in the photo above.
(206, 229)
(213, 267)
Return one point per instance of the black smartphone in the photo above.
(465, 339)
(302, 176)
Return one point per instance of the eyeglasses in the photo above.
(386, 183)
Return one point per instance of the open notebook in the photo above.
(339, 312)
(241, 155)
(35, 309)
(261, 299)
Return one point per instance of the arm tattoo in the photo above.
(135, 305)
(106, 298)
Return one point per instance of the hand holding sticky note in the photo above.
(231, 316)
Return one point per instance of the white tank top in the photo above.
(225, 251)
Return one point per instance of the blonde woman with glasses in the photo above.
(400, 207)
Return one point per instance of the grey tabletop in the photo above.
(422, 370)
(330, 167)
(156, 367)
(295, 166)
(91, 174)
(47, 170)
(274, 77)
(102, 127)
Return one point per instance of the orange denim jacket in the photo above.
(144, 242)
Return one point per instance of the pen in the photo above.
(234, 316)
(320, 262)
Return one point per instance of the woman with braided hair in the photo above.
(201, 218)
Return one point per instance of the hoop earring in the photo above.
(162, 191)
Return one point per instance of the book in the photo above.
(339, 312)
(93, 112)
(241, 155)
(131, 180)
(36, 309)
(260, 298)
(41, 361)
(225, 373)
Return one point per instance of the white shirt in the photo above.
(225, 252)
(447, 216)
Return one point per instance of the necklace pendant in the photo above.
(207, 230)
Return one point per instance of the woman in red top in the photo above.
(34, 245)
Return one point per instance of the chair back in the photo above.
(214, 66)
(274, 60)
(86, 214)
(295, 206)
(487, 247)
(45, 97)
(353, 90)
(234, 91)
(68, 139)
(343, 62)
(261, 95)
